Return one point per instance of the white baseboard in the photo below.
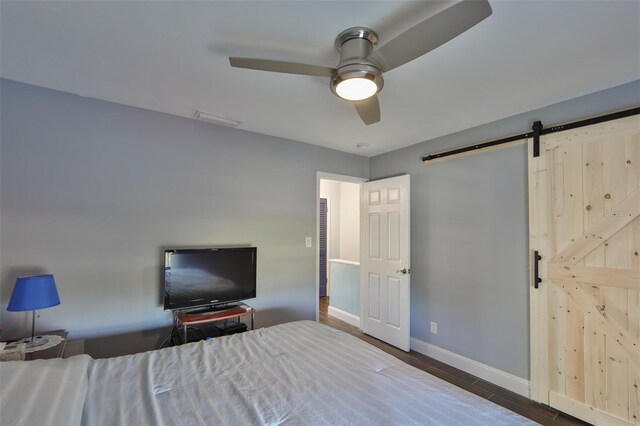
(483, 371)
(344, 316)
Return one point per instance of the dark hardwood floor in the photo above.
(525, 407)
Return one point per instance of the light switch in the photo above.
(307, 242)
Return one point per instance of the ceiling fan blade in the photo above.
(280, 66)
(368, 110)
(434, 31)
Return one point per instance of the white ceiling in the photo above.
(172, 57)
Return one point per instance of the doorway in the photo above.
(375, 295)
(338, 248)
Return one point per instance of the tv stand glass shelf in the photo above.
(188, 319)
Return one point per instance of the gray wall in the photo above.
(469, 234)
(345, 287)
(93, 191)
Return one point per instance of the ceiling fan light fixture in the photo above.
(356, 82)
(356, 89)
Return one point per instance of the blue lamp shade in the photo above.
(33, 293)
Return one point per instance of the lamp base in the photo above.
(37, 341)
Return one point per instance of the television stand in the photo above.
(190, 319)
(212, 309)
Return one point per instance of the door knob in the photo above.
(404, 271)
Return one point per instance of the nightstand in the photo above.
(53, 352)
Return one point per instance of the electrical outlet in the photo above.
(307, 242)
(434, 327)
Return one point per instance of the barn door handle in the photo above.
(404, 271)
(536, 278)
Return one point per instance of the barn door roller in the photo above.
(537, 129)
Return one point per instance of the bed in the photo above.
(294, 373)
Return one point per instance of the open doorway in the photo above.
(338, 249)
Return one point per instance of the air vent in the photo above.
(215, 119)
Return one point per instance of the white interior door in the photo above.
(384, 260)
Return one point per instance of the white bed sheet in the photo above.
(43, 392)
(294, 373)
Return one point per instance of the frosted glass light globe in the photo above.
(356, 89)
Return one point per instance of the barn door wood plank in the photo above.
(619, 335)
(633, 178)
(595, 133)
(595, 361)
(611, 277)
(558, 302)
(585, 412)
(571, 346)
(540, 225)
(616, 219)
(617, 185)
(595, 352)
(634, 395)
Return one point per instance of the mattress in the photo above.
(43, 392)
(294, 373)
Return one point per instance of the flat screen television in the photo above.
(208, 276)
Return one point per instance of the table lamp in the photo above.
(32, 293)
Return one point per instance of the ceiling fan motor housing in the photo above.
(355, 45)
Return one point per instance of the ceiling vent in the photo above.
(215, 119)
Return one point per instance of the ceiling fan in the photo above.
(358, 76)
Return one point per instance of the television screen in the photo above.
(211, 276)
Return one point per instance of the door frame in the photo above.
(328, 244)
(326, 176)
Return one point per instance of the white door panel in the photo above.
(374, 297)
(394, 287)
(384, 265)
(374, 236)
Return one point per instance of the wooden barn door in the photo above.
(584, 196)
